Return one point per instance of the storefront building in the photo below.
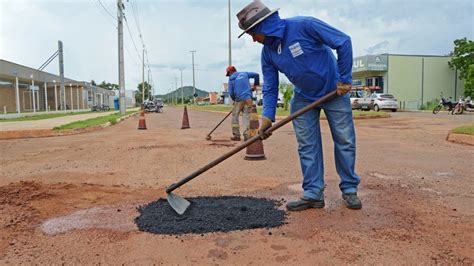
(412, 79)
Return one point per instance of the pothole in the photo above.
(210, 214)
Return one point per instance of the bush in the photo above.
(430, 105)
(113, 121)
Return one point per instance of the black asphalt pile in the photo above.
(210, 214)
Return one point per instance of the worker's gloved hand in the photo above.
(343, 88)
(266, 124)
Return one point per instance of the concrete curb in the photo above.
(41, 133)
(461, 138)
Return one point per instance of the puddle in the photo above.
(118, 217)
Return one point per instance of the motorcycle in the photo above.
(463, 105)
(446, 104)
(459, 107)
(100, 107)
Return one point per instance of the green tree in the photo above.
(108, 86)
(138, 92)
(469, 82)
(463, 60)
(287, 91)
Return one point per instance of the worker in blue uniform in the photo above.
(301, 48)
(240, 92)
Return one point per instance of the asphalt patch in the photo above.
(210, 214)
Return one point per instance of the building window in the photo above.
(369, 82)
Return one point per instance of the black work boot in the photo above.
(305, 203)
(352, 201)
(235, 138)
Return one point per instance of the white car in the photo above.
(384, 101)
(360, 99)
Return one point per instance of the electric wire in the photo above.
(100, 10)
(106, 10)
(131, 36)
(136, 18)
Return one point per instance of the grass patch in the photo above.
(468, 130)
(93, 121)
(282, 112)
(40, 117)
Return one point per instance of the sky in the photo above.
(29, 31)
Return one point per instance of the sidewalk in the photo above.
(48, 123)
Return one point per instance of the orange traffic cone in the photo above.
(185, 123)
(255, 150)
(141, 122)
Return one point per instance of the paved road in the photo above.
(48, 123)
(416, 188)
(467, 117)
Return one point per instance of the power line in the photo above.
(131, 36)
(131, 55)
(136, 17)
(106, 10)
(106, 17)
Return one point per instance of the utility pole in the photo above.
(170, 95)
(120, 8)
(62, 90)
(172, 92)
(176, 86)
(230, 48)
(194, 81)
(149, 87)
(182, 89)
(143, 76)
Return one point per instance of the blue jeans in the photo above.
(308, 134)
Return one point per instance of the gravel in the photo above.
(210, 214)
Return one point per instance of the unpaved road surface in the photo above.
(73, 199)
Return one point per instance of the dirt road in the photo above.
(73, 199)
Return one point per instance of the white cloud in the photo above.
(29, 31)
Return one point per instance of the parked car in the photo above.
(384, 101)
(360, 99)
(280, 103)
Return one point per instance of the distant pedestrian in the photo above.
(240, 92)
(301, 48)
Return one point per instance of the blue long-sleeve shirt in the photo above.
(239, 85)
(305, 57)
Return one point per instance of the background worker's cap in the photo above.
(230, 69)
(253, 14)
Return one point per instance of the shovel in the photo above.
(180, 204)
(208, 137)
